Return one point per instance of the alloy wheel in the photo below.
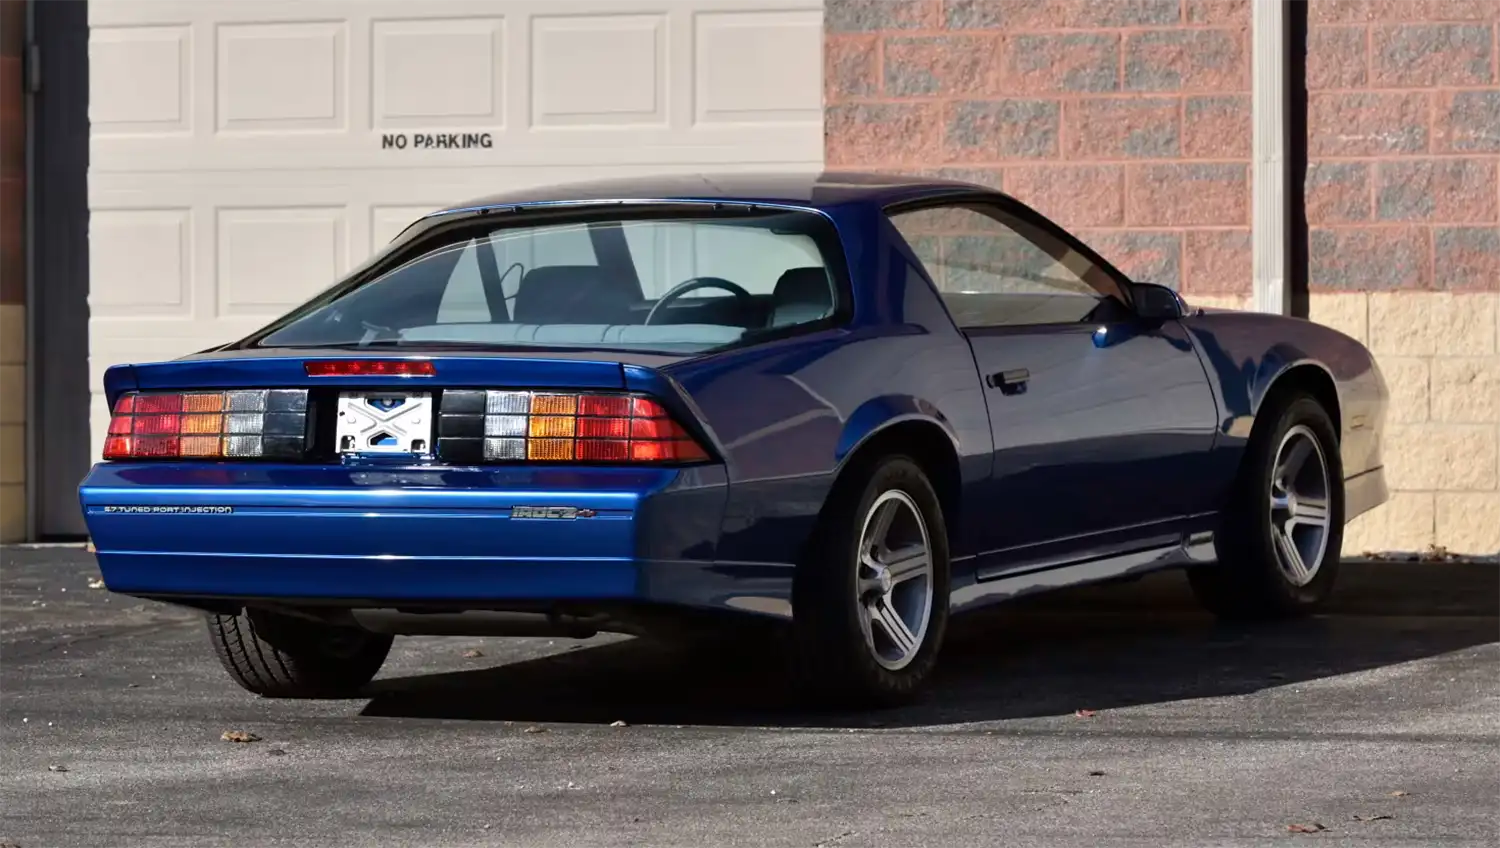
(894, 585)
(1300, 505)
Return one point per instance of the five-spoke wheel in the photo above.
(1299, 505)
(894, 585)
(870, 599)
(1279, 538)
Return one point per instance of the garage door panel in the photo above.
(751, 68)
(271, 257)
(141, 81)
(253, 85)
(154, 246)
(282, 78)
(449, 70)
(244, 154)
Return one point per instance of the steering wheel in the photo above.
(746, 300)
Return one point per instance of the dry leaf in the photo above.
(1310, 827)
(618, 724)
(1400, 793)
(1435, 553)
(239, 736)
(534, 729)
(473, 654)
(1376, 817)
(1085, 713)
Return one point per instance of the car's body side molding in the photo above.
(1190, 549)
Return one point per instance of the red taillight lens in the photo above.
(370, 368)
(249, 424)
(558, 427)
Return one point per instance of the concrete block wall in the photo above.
(1129, 121)
(1403, 208)
(12, 274)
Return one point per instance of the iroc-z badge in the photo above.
(559, 512)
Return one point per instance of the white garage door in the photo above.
(244, 154)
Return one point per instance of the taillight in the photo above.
(510, 426)
(251, 424)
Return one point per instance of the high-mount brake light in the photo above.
(244, 424)
(370, 368)
(517, 426)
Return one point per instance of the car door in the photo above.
(1101, 419)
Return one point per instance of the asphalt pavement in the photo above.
(1115, 715)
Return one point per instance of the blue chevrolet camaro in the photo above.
(844, 405)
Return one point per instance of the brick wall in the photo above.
(12, 273)
(1403, 208)
(1127, 120)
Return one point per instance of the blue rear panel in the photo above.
(393, 533)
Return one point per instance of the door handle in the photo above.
(1012, 382)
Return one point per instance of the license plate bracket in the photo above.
(385, 423)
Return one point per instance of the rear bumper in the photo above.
(449, 583)
(454, 537)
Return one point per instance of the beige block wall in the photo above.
(1440, 354)
(12, 423)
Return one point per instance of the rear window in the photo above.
(676, 283)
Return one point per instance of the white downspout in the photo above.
(1268, 103)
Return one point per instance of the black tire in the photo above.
(1247, 583)
(836, 665)
(281, 656)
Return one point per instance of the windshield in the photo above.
(681, 283)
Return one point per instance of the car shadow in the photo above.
(1100, 647)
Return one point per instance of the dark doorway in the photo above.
(1296, 157)
(58, 158)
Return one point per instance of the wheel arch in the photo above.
(1306, 376)
(925, 438)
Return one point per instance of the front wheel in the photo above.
(870, 601)
(280, 656)
(1281, 538)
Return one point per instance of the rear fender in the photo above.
(885, 411)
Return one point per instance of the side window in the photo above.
(995, 270)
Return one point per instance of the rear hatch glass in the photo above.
(672, 281)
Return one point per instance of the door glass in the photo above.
(995, 270)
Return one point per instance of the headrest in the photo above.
(571, 294)
(801, 295)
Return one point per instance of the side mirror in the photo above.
(1157, 302)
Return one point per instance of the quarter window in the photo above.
(994, 269)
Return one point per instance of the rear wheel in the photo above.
(1281, 538)
(281, 656)
(870, 602)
